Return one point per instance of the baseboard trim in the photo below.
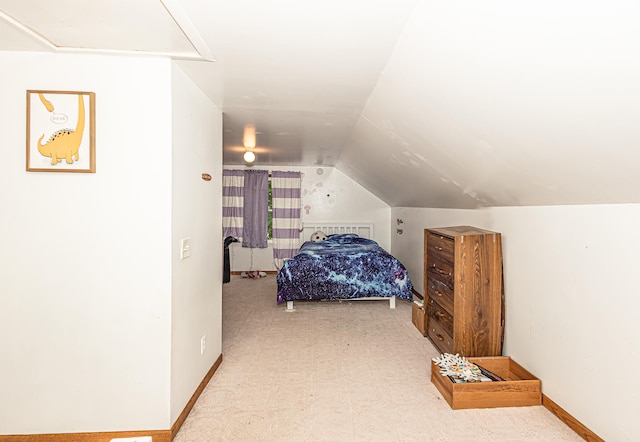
(187, 409)
(416, 294)
(570, 421)
(156, 435)
(268, 272)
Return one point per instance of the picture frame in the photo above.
(61, 131)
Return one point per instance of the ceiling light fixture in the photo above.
(249, 156)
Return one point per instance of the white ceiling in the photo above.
(425, 103)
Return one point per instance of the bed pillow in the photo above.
(345, 238)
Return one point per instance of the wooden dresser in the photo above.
(464, 287)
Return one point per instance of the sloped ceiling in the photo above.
(501, 104)
(458, 104)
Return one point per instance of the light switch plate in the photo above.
(185, 248)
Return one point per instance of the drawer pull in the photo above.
(439, 336)
(439, 248)
(439, 294)
(439, 315)
(440, 271)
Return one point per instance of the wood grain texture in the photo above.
(464, 284)
(515, 392)
(441, 293)
(418, 318)
(438, 314)
(570, 421)
(156, 435)
(187, 409)
(442, 341)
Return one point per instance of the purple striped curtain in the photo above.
(232, 202)
(285, 200)
(255, 208)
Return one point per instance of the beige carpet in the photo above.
(330, 371)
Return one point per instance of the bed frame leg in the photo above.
(392, 302)
(290, 306)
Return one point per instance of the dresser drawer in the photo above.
(441, 340)
(442, 271)
(438, 245)
(441, 293)
(440, 265)
(439, 315)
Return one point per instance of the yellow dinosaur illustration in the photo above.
(66, 142)
(46, 103)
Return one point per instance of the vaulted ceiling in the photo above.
(458, 104)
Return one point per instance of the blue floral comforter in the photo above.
(343, 266)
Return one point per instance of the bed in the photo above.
(344, 266)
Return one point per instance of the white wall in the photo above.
(408, 246)
(85, 267)
(331, 197)
(571, 300)
(196, 214)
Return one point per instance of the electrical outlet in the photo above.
(203, 344)
(132, 439)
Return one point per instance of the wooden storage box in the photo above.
(520, 388)
(418, 317)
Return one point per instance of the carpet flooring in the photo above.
(337, 371)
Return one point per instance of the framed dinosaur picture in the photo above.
(61, 131)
